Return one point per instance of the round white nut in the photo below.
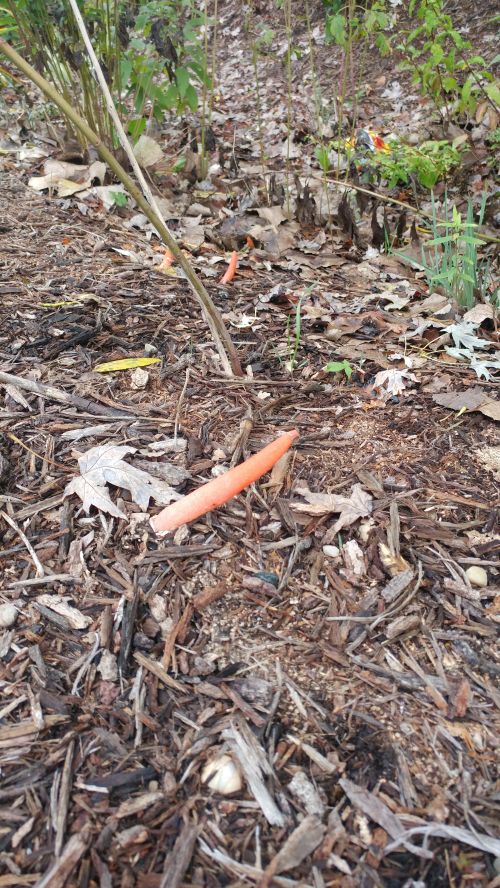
(221, 775)
(477, 576)
(331, 551)
(8, 615)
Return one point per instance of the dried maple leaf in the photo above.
(105, 465)
(392, 381)
(463, 336)
(357, 505)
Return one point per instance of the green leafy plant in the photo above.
(120, 199)
(165, 63)
(347, 23)
(353, 27)
(429, 163)
(9, 31)
(339, 367)
(293, 340)
(493, 143)
(442, 61)
(8, 25)
(151, 55)
(450, 259)
(322, 155)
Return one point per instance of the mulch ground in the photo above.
(355, 695)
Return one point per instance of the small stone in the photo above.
(139, 378)
(108, 666)
(477, 576)
(222, 775)
(331, 551)
(134, 835)
(169, 783)
(8, 615)
(142, 642)
(197, 209)
(268, 577)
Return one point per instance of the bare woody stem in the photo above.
(221, 337)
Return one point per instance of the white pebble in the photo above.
(8, 615)
(222, 775)
(331, 551)
(477, 576)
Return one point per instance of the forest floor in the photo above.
(322, 629)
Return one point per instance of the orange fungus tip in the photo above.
(219, 491)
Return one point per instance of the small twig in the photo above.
(179, 628)
(179, 405)
(86, 664)
(63, 799)
(36, 561)
(242, 438)
(179, 859)
(43, 580)
(138, 695)
(55, 394)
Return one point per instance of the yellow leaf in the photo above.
(58, 304)
(125, 364)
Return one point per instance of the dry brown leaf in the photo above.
(274, 215)
(482, 311)
(474, 398)
(392, 382)
(358, 505)
(491, 409)
(104, 465)
(462, 700)
(147, 151)
(63, 187)
(279, 471)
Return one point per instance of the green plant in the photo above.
(339, 367)
(166, 62)
(347, 23)
(48, 35)
(352, 27)
(493, 143)
(151, 54)
(8, 26)
(261, 38)
(450, 259)
(8, 30)
(443, 63)
(322, 155)
(430, 162)
(119, 198)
